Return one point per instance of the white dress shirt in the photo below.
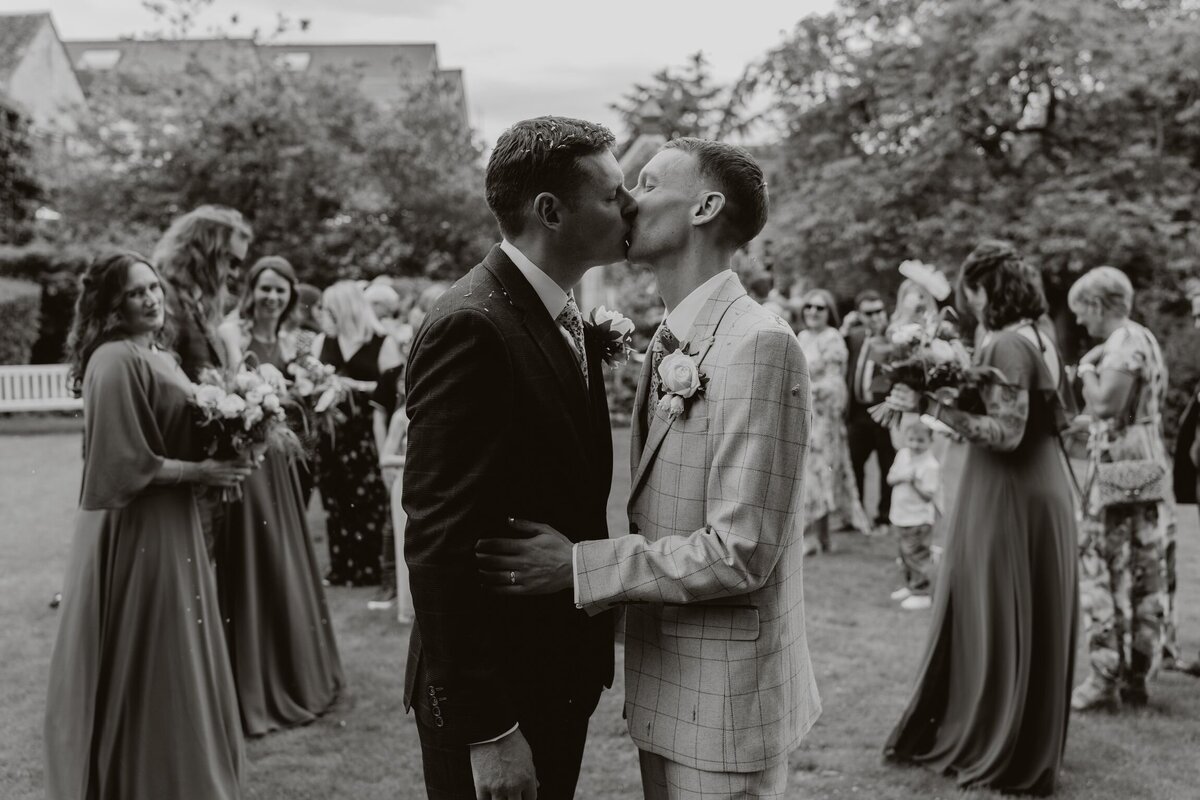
(550, 293)
(680, 321)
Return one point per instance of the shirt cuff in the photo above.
(508, 732)
(575, 573)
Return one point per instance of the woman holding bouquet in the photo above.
(141, 702)
(361, 548)
(831, 498)
(277, 624)
(993, 694)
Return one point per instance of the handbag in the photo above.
(1129, 481)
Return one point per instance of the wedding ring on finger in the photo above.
(512, 577)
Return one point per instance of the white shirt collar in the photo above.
(682, 317)
(549, 292)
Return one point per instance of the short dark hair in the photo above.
(1013, 293)
(539, 155)
(739, 178)
(867, 296)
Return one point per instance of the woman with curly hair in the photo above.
(280, 634)
(831, 500)
(141, 702)
(993, 693)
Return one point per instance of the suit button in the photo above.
(634, 529)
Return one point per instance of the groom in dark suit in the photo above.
(508, 418)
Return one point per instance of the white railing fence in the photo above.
(36, 387)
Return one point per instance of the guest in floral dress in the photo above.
(1123, 557)
(361, 548)
(831, 499)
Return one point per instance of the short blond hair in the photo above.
(1108, 286)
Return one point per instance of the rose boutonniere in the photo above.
(681, 381)
(615, 332)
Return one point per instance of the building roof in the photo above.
(16, 32)
(223, 58)
(383, 67)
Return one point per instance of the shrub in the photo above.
(19, 312)
(57, 271)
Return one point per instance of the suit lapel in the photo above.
(699, 344)
(640, 416)
(544, 332)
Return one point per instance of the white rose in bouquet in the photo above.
(255, 396)
(252, 417)
(231, 406)
(246, 380)
(271, 403)
(207, 397)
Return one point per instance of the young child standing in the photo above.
(915, 477)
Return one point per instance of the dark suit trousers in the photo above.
(865, 436)
(556, 735)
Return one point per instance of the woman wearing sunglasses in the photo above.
(831, 499)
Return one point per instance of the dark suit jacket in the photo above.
(502, 425)
(855, 340)
(192, 341)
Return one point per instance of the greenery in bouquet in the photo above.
(242, 416)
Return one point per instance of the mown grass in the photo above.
(864, 650)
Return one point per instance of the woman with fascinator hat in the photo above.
(993, 694)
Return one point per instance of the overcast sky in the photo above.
(520, 58)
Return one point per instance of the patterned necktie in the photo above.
(572, 322)
(664, 344)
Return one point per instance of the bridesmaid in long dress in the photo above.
(992, 698)
(361, 546)
(141, 704)
(277, 624)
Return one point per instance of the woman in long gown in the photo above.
(831, 500)
(992, 698)
(359, 527)
(141, 704)
(277, 624)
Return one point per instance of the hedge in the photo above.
(57, 271)
(19, 315)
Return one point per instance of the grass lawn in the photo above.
(864, 649)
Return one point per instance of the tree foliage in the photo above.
(338, 185)
(684, 102)
(21, 191)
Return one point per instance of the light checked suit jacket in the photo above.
(717, 668)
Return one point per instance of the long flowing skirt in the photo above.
(141, 702)
(992, 698)
(280, 635)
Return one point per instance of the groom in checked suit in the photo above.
(719, 686)
(509, 418)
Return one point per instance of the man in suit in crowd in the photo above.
(865, 435)
(719, 686)
(508, 417)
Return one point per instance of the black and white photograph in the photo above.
(535, 400)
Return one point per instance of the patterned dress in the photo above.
(1124, 550)
(351, 485)
(829, 487)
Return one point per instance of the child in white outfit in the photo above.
(915, 478)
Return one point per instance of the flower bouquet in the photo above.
(317, 392)
(614, 330)
(243, 417)
(931, 359)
